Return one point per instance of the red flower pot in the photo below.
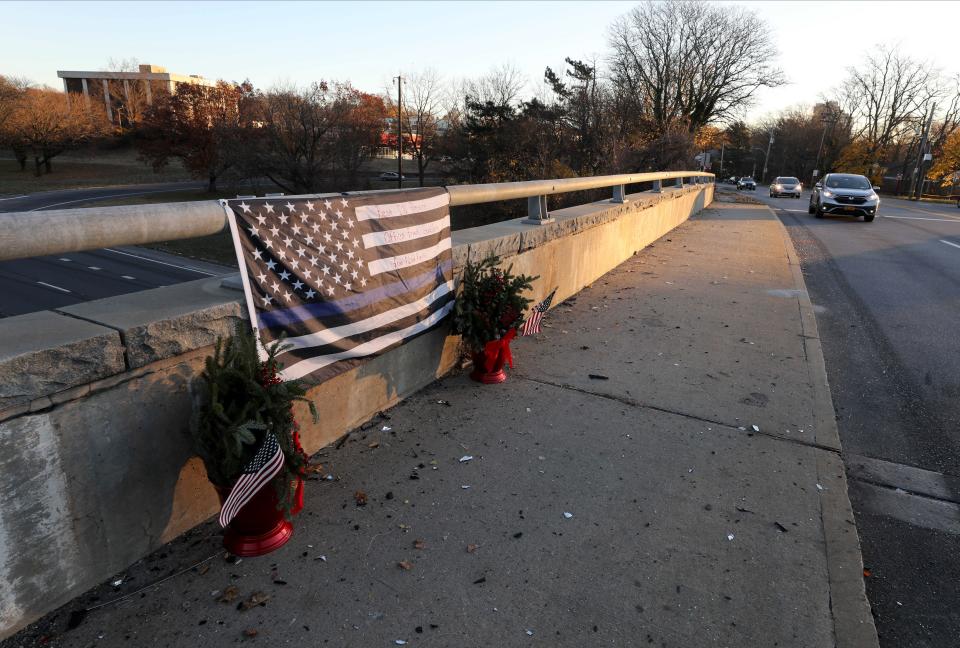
(494, 375)
(259, 527)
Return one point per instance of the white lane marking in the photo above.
(44, 283)
(127, 277)
(949, 243)
(942, 220)
(14, 197)
(65, 259)
(172, 265)
(94, 268)
(793, 210)
(98, 198)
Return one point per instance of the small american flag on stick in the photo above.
(532, 324)
(256, 474)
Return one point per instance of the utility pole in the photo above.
(722, 144)
(765, 158)
(827, 123)
(917, 188)
(399, 80)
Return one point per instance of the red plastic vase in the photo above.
(259, 527)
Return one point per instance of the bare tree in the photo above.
(128, 97)
(691, 63)
(886, 97)
(423, 107)
(501, 86)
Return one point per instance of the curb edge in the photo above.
(853, 624)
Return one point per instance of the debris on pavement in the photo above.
(229, 594)
(419, 544)
(567, 515)
(466, 458)
(360, 498)
(730, 536)
(598, 377)
(755, 428)
(255, 599)
(780, 527)
(472, 547)
(405, 565)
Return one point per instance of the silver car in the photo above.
(785, 186)
(845, 194)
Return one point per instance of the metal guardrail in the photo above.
(40, 233)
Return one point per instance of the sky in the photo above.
(368, 43)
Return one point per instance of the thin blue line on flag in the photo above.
(331, 335)
(288, 316)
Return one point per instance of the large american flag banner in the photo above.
(343, 277)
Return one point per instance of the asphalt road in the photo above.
(888, 299)
(42, 283)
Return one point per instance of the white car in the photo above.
(846, 194)
(392, 175)
(785, 186)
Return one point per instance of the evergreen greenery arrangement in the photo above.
(490, 302)
(242, 399)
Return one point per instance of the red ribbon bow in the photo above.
(495, 349)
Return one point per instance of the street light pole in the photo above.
(722, 144)
(399, 80)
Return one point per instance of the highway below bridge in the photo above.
(888, 301)
(43, 283)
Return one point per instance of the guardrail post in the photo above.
(657, 186)
(619, 194)
(537, 213)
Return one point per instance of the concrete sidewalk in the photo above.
(618, 493)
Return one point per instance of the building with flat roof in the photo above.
(125, 95)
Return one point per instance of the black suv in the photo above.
(845, 194)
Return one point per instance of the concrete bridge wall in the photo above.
(96, 468)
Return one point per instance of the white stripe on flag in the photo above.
(331, 335)
(404, 234)
(304, 367)
(392, 210)
(388, 264)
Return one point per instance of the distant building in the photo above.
(126, 94)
